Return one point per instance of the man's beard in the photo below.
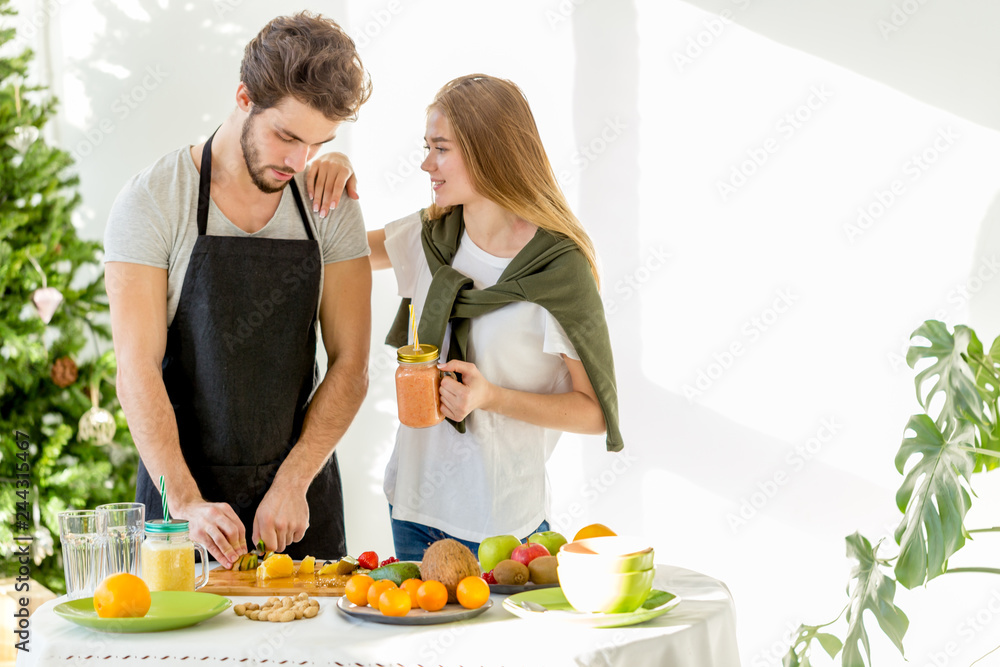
(252, 158)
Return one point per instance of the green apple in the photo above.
(492, 550)
(549, 539)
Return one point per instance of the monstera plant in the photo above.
(959, 384)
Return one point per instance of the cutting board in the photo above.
(229, 582)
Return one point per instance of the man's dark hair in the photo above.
(308, 57)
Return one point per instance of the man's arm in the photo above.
(138, 298)
(345, 320)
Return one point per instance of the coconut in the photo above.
(448, 561)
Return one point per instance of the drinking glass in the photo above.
(81, 552)
(120, 526)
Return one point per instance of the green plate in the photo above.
(558, 610)
(169, 610)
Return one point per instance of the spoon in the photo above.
(531, 606)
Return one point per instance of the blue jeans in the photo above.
(411, 539)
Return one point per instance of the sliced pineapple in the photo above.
(329, 568)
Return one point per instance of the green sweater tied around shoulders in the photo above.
(549, 271)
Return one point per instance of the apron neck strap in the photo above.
(205, 189)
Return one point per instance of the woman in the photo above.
(503, 279)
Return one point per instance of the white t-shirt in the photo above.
(491, 479)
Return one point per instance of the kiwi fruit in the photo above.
(542, 570)
(510, 573)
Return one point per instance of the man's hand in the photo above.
(216, 526)
(458, 399)
(325, 181)
(282, 517)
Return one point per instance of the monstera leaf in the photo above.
(955, 379)
(933, 499)
(873, 591)
(987, 372)
(798, 653)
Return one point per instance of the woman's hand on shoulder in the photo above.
(474, 392)
(326, 178)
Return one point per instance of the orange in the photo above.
(594, 530)
(278, 565)
(472, 592)
(394, 602)
(411, 586)
(432, 595)
(376, 589)
(356, 589)
(122, 595)
(308, 565)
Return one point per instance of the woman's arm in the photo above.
(379, 257)
(577, 411)
(327, 178)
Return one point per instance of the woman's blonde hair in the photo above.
(503, 153)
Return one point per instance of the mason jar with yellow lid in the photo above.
(418, 386)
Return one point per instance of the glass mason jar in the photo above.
(168, 557)
(418, 386)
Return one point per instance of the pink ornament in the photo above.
(46, 300)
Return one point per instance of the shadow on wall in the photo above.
(662, 429)
(983, 293)
(937, 52)
(165, 72)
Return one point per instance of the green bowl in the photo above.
(606, 593)
(608, 554)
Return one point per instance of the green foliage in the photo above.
(933, 499)
(938, 455)
(37, 199)
(798, 654)
(874, 592)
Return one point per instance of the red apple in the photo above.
(526, 553)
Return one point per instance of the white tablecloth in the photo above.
(699, 632)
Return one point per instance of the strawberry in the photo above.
(489, 578)
(368, 560)
(390, 559)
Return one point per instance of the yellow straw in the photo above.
(413, 326)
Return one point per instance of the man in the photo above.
(217, 275)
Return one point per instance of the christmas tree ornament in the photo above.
(46, 299)
(97, 424)
(24, 137)
(64, 372)
(42, 544)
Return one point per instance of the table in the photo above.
(699, 632)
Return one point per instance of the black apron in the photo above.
(240, 368)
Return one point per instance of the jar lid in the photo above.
(415, 355)
(161, 526)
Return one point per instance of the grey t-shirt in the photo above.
(154, 221)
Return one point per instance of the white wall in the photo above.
(816, 394)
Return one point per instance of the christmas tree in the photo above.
(64, 443)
